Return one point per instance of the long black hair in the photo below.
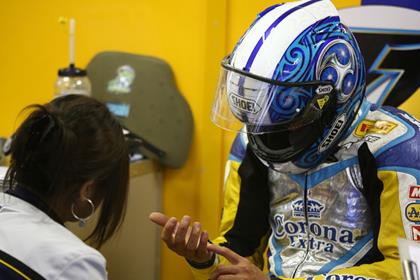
(65, 143)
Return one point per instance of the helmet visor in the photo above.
(264, 105)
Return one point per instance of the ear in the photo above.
(87, 190)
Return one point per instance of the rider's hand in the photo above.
(239, 269)
(185, 240)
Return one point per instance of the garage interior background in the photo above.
(191, 35)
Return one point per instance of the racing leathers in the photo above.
(340, 220)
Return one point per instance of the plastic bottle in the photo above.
(72, 80)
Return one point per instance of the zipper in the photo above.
(305, 203)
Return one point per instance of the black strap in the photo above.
(251, 223)
(207, 264)
(372, 190)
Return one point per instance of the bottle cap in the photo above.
(72, 71)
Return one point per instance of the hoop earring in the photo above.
(82, 221)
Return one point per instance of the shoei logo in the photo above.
(376, 127)
(324, 89)
(333, 133)
(412, 212)
(415, 233)
(415, 192)
(314, 208)
(244, 104)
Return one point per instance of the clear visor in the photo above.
(263, 105)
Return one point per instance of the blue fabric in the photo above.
(404, 151)
(238, 150)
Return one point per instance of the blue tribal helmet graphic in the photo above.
(337, 63)
(303, 70)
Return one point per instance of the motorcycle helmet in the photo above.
(293, 83)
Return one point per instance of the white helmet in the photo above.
(295, 81)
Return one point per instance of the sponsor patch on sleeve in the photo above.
(372, 126)
(414, 192)
(415, 233)
(412, 212)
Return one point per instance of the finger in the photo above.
(202, 246)
(194, 237)
(168, 231)
(158, 218)
(230, 255)
(181, 232)
(224, 270)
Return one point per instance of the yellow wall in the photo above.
(191, 35)
(33, 46)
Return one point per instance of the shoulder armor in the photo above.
(392, 136)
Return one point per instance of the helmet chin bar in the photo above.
(268, 89)
(262, 151)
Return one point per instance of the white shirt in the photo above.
(32, 237)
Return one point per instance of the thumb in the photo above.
(159, 218)
(230, 255)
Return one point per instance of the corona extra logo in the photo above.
(377, 127)
(314, 208)
(323, 238)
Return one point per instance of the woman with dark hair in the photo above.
(67, 158)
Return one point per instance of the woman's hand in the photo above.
(239, 269)
(185, 240)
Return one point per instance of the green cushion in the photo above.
(142, 93)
